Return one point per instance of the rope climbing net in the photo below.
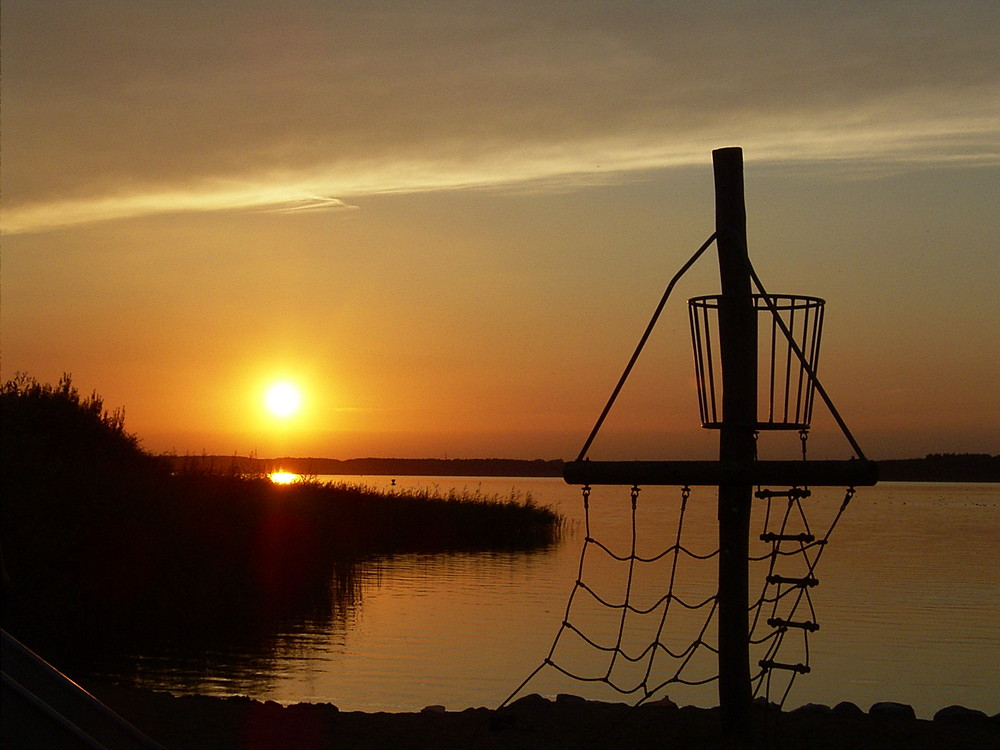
(656, 632)
(630, 634)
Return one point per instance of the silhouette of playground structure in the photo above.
(756, 356)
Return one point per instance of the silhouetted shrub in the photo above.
(103, 542)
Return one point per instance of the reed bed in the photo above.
(103, 543)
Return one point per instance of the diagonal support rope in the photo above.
(805, 364)
(642, 343)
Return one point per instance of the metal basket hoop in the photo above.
(786, 389)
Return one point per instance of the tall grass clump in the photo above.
(426, 520)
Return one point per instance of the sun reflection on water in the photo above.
(284, 477)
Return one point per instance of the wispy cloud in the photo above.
(310, 203)
(119, 110)
(44, 215)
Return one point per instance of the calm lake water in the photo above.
(908, 604)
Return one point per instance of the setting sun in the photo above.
(283, 399)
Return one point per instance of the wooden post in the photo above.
(738, 353)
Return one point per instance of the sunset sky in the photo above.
(449, 222)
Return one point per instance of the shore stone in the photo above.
(530, 701)
(762, 702)
(298, 708)
(663, 702)
(327, 707)
(203, 722)
(569, 698)
(959, 714)
(892, 710)
(813, 709)
(846, 708)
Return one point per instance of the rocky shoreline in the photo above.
(204, 723)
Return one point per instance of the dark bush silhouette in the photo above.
(104, 543)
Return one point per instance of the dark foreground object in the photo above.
(43, 708)
(201, 723)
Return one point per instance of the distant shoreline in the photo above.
(936, 467)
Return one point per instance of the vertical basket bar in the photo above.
(814, 357)
(711, 370)
(770, 390)
(699, 371)
(788, 364)
(800, 381)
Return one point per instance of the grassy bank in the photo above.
(103, 544)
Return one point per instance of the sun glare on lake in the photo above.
(283, 399)
(284, 477)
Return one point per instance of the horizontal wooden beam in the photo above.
(851, 473)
